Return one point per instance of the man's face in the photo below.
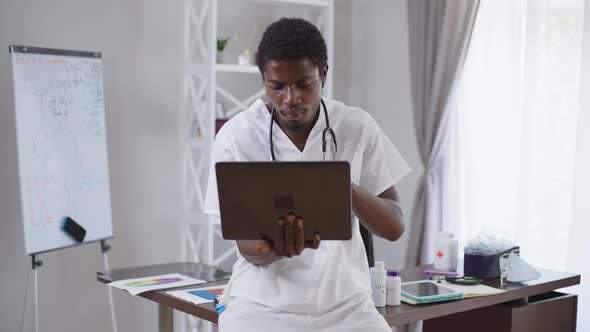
(294, 88)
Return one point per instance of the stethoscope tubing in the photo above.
(327, 130)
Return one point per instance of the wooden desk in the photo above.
(167, 303)
(489, 313)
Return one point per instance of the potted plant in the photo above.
(221, 44)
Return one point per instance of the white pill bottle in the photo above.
(378, 284)
(446, 252)
(393, 288)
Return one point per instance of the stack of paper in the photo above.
(473, 290)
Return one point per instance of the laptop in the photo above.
(253, 195)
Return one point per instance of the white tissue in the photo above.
(488, 242)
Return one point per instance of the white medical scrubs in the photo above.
(328, 288)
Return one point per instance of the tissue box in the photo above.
(483, 266)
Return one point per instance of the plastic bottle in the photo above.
(503, 272)
(446, 252)
(393, 288)
(378, 284)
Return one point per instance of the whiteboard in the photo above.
(61, 138)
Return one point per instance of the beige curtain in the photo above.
(439, 34)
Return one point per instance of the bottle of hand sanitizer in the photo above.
(378, 284)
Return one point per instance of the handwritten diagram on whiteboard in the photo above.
(63, 165)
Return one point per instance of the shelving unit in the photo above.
(200, 233)
(317, 3)
(225, 68)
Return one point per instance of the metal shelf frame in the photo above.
(199, 232)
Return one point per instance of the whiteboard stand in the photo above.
(35, 264)
(62, 150)
(104, 248)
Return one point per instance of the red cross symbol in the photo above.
(439, 254)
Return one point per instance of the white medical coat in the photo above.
(318, 279)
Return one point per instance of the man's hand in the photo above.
(289, 241)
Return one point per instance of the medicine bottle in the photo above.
(378, 284)
(446, 252)
(393, 288)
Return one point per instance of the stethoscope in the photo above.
(325, 139)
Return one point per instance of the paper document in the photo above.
(199, 295)
(473, 290)
(164, 281)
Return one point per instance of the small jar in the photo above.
(244, 58)
(503, 274)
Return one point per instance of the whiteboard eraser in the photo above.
(74, 229)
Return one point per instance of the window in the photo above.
(512, 158)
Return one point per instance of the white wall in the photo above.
(140, 41)
(372, 58)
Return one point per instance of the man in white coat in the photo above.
(291, 284)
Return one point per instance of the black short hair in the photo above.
(292, 39)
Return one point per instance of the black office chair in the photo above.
(368, 242)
